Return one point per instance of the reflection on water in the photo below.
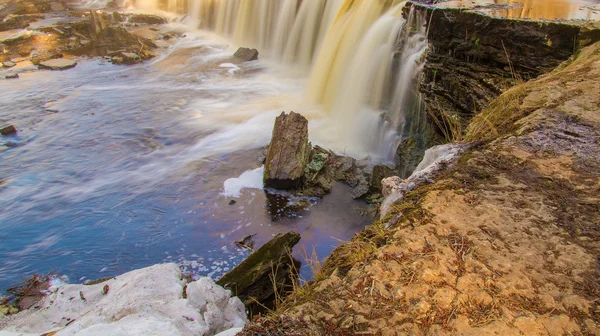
(116, 168)
(533, 9)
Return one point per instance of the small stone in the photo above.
(8, 64)
(58, 64)
(232, 202)
(8, 130)
(246, 54)
(105, 289)
(12, 76)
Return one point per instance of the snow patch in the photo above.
(394, 188)
(148, 301)
(251, 179)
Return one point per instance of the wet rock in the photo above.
(246, 242)
(288, 152)
(252, 281)
(126, 58)
(97, 24)
(117, 17)
(12, 76)
(344, 168)
(31, 291)
(8, 64)
(246, 54)
(379, 173)
(38, 57)
(11, 22)
(361, 189)
(58, 64)
(7, 129)
(319, 174)
(147, 19)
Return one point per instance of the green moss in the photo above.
(245, 274)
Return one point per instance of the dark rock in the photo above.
(379, 173)
(361, 189)
(12, 76)
(117, 17)
(30, 292)
(470, 61)
(318, 173)
(7, 130)
(288, 152)
(246, 54)
(344, 168)
(146, 18)
(126, 58)
(252, 281)
(246, 242)
(232, 202)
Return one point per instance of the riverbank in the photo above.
(505, 241)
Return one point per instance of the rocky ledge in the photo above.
(504, 241)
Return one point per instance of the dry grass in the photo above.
(499, 117)
(449, 125)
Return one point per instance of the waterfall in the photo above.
(347, 48)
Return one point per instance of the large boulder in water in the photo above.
(253, 280)
(288, 153)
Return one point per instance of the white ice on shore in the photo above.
(434, 160)
(147, 301)
(252, 179)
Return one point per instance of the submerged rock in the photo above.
(288, 152)
(246, 54)
(8, 64)
(253, 280)
(58, 64)
(12, 76)
(7, 129)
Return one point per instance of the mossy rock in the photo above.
(253, 280)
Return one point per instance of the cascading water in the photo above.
(346, 49)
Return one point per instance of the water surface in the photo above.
(116, 168)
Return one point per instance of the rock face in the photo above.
(252, 281)
(288, 152)
(148, 301)
(246, 54)
(471, 62)
(7, 130)
(472, 58)
(58, 64)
